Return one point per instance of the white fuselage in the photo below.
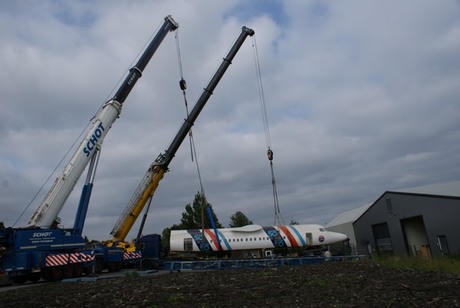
(252, 237)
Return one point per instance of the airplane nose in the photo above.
(341, 237)
(336, 237)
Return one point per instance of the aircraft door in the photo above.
(188, 244)
(308, 239)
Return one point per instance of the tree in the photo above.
(191, 218)
(197, 214)
(239, 220)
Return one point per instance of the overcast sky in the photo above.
(362, 97)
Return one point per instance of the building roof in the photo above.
(348, 217)
(407, 194)
(441, 189)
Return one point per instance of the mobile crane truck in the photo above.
(149, 245)
(41, 250)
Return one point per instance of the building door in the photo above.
(415, 236)
(382, 238)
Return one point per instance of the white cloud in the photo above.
(361, 98)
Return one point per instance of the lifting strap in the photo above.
(278, 218)
(183, 87)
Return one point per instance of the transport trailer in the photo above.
(252, 263)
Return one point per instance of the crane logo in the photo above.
(42, 234)
(94, 139)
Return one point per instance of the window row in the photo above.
(248, 239)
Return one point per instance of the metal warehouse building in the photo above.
(410, 224)
(404, 224)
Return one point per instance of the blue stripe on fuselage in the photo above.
(275, 237)
(200, 240)
(298, 234)
(222, 237)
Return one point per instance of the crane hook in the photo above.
(183, 84)
(270, 155)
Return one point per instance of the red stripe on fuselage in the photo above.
(213, 238)
(290, 236)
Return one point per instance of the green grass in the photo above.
(132, 274)
(439, 264)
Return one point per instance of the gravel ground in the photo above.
(337, 284)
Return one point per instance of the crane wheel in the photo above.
(34, 277)
(67, 271)
(146, 264)
(99, 265)
(20, 279)
(52, 273)
(78, 270)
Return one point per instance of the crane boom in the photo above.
(53, 202)
(155, 173)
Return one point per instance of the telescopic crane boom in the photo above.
(53, 202)
(42, 251)
(155, 173)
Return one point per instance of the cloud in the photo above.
(361, 98)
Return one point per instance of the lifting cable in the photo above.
(183, 87)
(278, 218)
